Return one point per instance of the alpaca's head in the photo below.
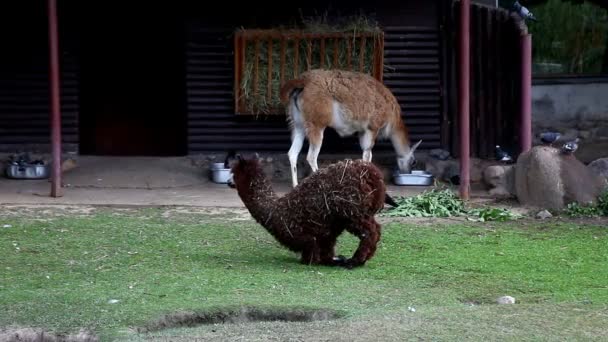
(243, 170)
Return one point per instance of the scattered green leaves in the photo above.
(492, 214)
(433, 203)
(600, 208)
(445, 203)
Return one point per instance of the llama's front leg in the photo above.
(297, 140)
(369, 235)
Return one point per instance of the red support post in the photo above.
(56, 190)
(463, 96)
(525, 127)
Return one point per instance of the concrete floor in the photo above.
(142, 181)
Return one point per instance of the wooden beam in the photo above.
(55, 104)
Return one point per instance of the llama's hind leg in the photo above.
(368, 233)
(315, 139)
(297, 140)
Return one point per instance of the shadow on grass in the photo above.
(235, 315)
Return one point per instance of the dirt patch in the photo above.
(237, 316)
(40, 335)
(45, 212)
(230, 214)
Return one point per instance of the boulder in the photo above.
(500, 180)
(440, 154)
(68, 164)
(600, 167)
(543, 215)
(448, 170)
(548, 179)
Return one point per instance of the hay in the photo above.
(257, 102)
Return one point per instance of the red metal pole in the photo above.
(56, 190)
(463, 96)
(525, 132)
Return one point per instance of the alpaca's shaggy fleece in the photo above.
(343, 196)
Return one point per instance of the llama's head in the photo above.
(243, 170)
(406, 161)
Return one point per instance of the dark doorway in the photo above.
(132, 79)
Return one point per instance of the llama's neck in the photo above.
(259, 197)
(399, 138)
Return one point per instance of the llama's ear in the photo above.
(416, 146)
(256, 156)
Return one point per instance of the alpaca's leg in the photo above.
(297, 140)
(328, 252)
(311, 254)
(369, 235)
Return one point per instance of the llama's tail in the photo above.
(390, 201)
(289, 87)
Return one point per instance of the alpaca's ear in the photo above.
(233, 161)
(256, 156)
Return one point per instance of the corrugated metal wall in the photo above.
(212, 122)
(24, 85)
(24, 109)
(412, 56)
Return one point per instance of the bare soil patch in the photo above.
(238, 316)
(40, 335)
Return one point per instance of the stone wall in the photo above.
(576, 110)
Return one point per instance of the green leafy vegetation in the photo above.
(569, 38)
(600, 208)
(492, 214)
(445, 203)
(430, 203)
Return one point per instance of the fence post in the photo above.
(55, 105)
(463, 96)
(525, 127)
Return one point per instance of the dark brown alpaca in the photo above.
(309, 219)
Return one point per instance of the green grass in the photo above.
(60, 273)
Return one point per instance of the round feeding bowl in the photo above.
(219, 174)
(416, 177)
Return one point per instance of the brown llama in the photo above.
(349, 102)
(308, 220)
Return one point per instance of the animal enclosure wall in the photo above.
(495, 80)
(202, 74)
(24, 81)
(412, 43)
